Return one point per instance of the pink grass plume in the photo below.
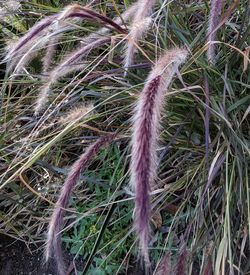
(53, 245)
(214, 17)
(139, 27)
(164, 266)
(38, 36)
(182, 260)
(146, 124)
(74, 61)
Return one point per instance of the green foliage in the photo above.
(80, 239)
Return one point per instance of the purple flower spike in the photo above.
(144, 140)
(216, 6)
(56, 223)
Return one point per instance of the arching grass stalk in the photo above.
(69, 63)
(53, 245)
(67, 66)
(146, 124)
(53, 23)
(140, 25)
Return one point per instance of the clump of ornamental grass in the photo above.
(199, 195)
(146, 127)
(54, 243)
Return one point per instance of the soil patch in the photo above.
(17, 258)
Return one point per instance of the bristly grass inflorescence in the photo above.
(144, 139)
(54, 243)
(214, 19)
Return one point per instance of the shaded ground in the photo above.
(16, 259)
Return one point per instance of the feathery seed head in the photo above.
(135, 35)
(164, 267)
(181, 264)
(76, 113)
(144, 140)
(33, 32)
(53, 244)
(68, 10)
(24, 48)
(215, 11)
(42, 99)
(142, 25)
(139, 27)
(68, 65)
(62, 69)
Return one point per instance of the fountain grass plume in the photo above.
(32, 34)
(40, 30)
(182, 259)
(216, 6)
(146, 124)
(24, 43)
(20, 54)
(81, 110)
(86, 12)
(135, 34)
(77, 11)
(26, 49)
(164, 267)
(53, 245)
(140, 25)
(118, 20)
(47, 41)
(68, 64)
(50, 52)
(81, 51)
